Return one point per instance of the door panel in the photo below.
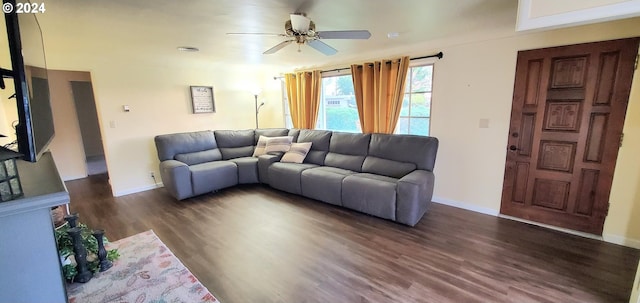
(568, 110)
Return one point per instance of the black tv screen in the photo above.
(34, 131)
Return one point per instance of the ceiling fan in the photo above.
(302, 30)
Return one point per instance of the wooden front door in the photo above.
(569, 105)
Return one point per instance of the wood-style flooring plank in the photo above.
(256, 244)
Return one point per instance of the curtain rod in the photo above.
(438, 55)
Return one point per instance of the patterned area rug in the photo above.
(147, 271)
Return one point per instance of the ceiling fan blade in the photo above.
(300, 23)
(322, 47)
(259, 34)
(278, 47)
(357, 34)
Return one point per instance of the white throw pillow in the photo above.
(297, 152)
(262, 143)
(278, 144)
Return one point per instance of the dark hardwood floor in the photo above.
(256, 244)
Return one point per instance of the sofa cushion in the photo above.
(199, 157)
(234, 138)
(270, 132)
(389, 168)
(235, 143)
(371, 194)
(295, 133)
(347, 150)
(170, 145)
(324, 183)
(247, 169)
(419, 150)
(297, 152)
(286, 176)
(320, 144)
(210, 176)
(278, 144)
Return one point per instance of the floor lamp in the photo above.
(257, 107)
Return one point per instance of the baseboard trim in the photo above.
(564, 230)
(467, 206)
(71, 178)
(136, 190)
(620, 240)
(610, 238)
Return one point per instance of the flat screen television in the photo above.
(34, 130)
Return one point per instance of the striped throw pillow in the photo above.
(278, 144)
(296, 153)
(262, 143)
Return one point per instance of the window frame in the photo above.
(408, 92)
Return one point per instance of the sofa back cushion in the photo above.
(295, 133)
(389, 168)
(347, 150)
(199, 157)
(418, 150)
(235, 143)
(319, 144)
(170, 145)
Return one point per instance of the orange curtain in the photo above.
(379, 90)
(303, 92)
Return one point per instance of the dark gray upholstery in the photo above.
(229, 153)
(419, 150)
(176, 178)
(210, 176)
(235, 143)
(295, 133)
(286, 176)
(371, 194)
(347, 150)
(412, 188)
(264, 162)
(319, 144)
(170, 145)
(389, 168)
(199, 157)
(247, 169)
(388, 176)
(324, 183)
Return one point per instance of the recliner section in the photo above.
(387, 176)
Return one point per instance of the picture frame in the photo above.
(202, 99)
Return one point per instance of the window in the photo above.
(288, 123)
(415, 115)
(338, 110)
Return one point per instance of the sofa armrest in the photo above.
(176, 178)
(414, 191)
(264, 161)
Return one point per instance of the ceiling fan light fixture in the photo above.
(188, 49)
(393, 35)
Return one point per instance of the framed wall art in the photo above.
(202, 99)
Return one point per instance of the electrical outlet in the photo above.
(152, 174)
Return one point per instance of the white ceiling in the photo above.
(157, 27)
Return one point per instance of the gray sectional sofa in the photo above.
(387, 176)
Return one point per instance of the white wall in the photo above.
(66, 147)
